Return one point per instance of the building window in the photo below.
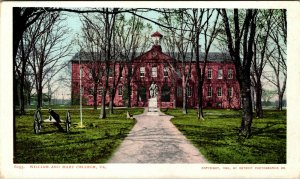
(189, 91)
(142, 71)
(209, 91)
(154, 72)
(100, 91)
(165, 71)
(230, 92)
(209, 73)
(230, 73)
(165, 93)
(219, 91)
(120, 91)
(179, 91)
(220, 73)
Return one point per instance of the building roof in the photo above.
(212, 56)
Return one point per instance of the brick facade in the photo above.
(220, 91)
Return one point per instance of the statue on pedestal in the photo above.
(153, 90)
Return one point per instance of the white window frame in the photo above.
(142, 71)
(209, 73)
(219, 91)
(209, 91)
(230, 73)
(189, 91)
(220, 73)
(154, 72)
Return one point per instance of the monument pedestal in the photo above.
(152, 106)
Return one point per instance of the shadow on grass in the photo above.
(223, 145)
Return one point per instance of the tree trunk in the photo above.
(22, 98)
(39, 95)
(103, 112)
(247, 113)
(95, 95)
(280, 101)
(129, 95)
(258, 94)
(175, 96)
(200, 101)
(128, 85)
(28, 98)
(184, 100)
(111, 100)
(103, 100)
(22, 84)
(199, 80)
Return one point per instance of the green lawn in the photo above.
(93, 144)
(217, 136)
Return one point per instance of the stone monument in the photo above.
(152, 103)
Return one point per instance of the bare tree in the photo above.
(200, 23)
(178, 41)
(48, 52)
(276, 56)
(132, 43)
(92, 48)
(52, 86)
(264, 23)
(29, 38)
(243, 36)
(108, 20)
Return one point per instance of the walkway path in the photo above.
(154, 139)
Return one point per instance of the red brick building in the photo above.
(221, 89)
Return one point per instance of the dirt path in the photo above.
(154, 139)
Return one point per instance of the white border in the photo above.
(9, 170)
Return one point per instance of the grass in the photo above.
(217, 136)
(93, 144)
